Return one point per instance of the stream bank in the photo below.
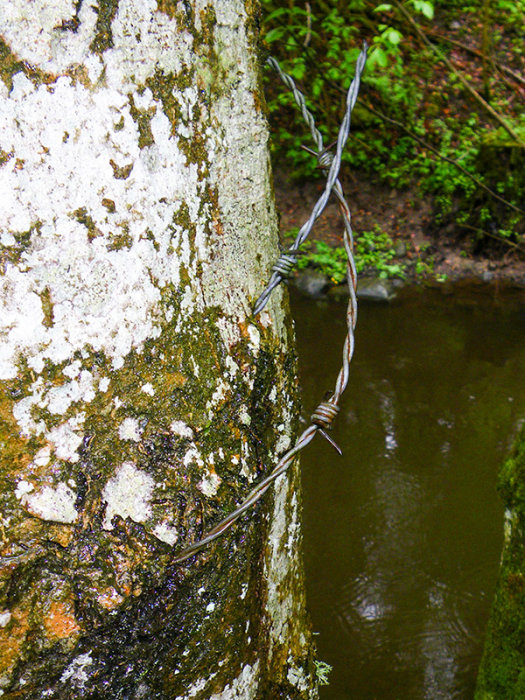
(502, 671)
(426, 252)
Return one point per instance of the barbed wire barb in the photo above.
(321, 419)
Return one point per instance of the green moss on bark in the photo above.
(502, 671)
(9, 64)
(123, 575)
(142, 118)
(106, 11)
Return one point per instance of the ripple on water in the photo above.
(403, 535)
(434, 632)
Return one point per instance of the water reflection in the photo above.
(403, 534)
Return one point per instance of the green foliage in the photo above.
(373, 252)
(444, 180)
(320, 51)
(330, 261)
(405, 82)
(424, 268)
(322, 671)
(511, 11)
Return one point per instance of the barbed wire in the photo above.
(326, 411)
(331, 163)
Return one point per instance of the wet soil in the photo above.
(407, 217)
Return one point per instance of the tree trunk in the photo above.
(139, 398)
(501, 673)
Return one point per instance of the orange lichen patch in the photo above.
(126, 589)
(243, 325)
(109, 599)
(12, 637)
(218, 227)
(60, 621)
(62, 534)
(237, 433)
(16, 452)
(176, 379)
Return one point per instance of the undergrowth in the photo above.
(415, 122)
(373, 250)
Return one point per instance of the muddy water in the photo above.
(403, 534)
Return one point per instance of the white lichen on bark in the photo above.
(98, 228)
(111, 301)
(243, 687)
(128, 494)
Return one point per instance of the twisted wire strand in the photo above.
(254, 495)
(333, 170)
(300, 101)
(324, 414)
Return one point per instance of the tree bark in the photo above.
(139, 398)
(501, 673)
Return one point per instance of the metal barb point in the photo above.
(331, 441)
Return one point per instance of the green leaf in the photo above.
(276, 14)
(392, 36)
(384, 7)
(275, 34)
(426, 8)
(298, 70)
(378, 56)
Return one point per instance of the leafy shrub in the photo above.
(373, 250)
(319, 49)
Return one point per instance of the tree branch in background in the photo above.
(475, 52)
(308, 36)
(486, 48)
(440, 155)
(462, 80)
(516, 246)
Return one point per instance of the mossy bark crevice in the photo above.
(502, 671)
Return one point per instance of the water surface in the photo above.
(403, 534)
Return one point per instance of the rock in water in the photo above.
(373, 289)
(312, 283)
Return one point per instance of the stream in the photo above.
(403, 533)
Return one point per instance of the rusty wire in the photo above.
(324, 414)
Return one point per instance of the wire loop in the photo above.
(284, 265)
(324, 414)
(325, 159)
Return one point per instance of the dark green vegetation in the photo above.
(372, 250)
(502, 671)
(440, 108)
